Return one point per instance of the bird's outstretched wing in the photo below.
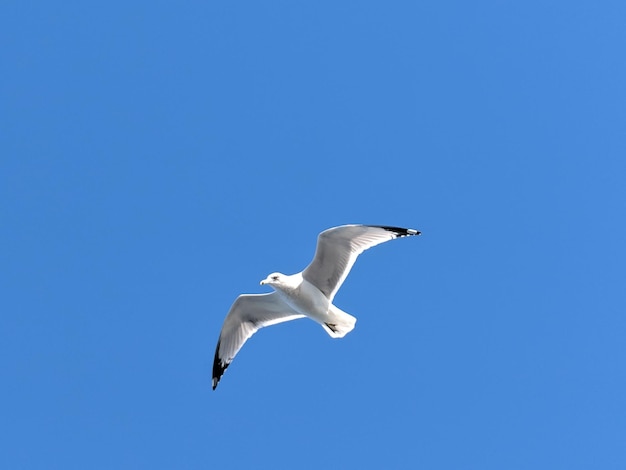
(338, 249)
(249, 313)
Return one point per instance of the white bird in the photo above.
(306, 294)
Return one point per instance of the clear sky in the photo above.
(157, 159)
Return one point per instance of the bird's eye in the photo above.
(274, 278)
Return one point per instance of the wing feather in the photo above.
(338, 249)
(248, 314)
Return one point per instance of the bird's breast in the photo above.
(307, 300)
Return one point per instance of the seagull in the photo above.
(309, 293)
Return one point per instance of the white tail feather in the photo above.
(339, 323)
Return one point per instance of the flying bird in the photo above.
(309, 293)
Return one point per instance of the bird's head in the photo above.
(273, 279)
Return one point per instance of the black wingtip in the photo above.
(399, 231)
(218, 367)
(218, 371)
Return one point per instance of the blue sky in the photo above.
(157, 159)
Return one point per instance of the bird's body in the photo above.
(307, 300)
(306, 294)
(302, 296)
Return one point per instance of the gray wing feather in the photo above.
(338, 249)
(248, 314)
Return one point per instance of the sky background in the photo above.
(157, 159)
